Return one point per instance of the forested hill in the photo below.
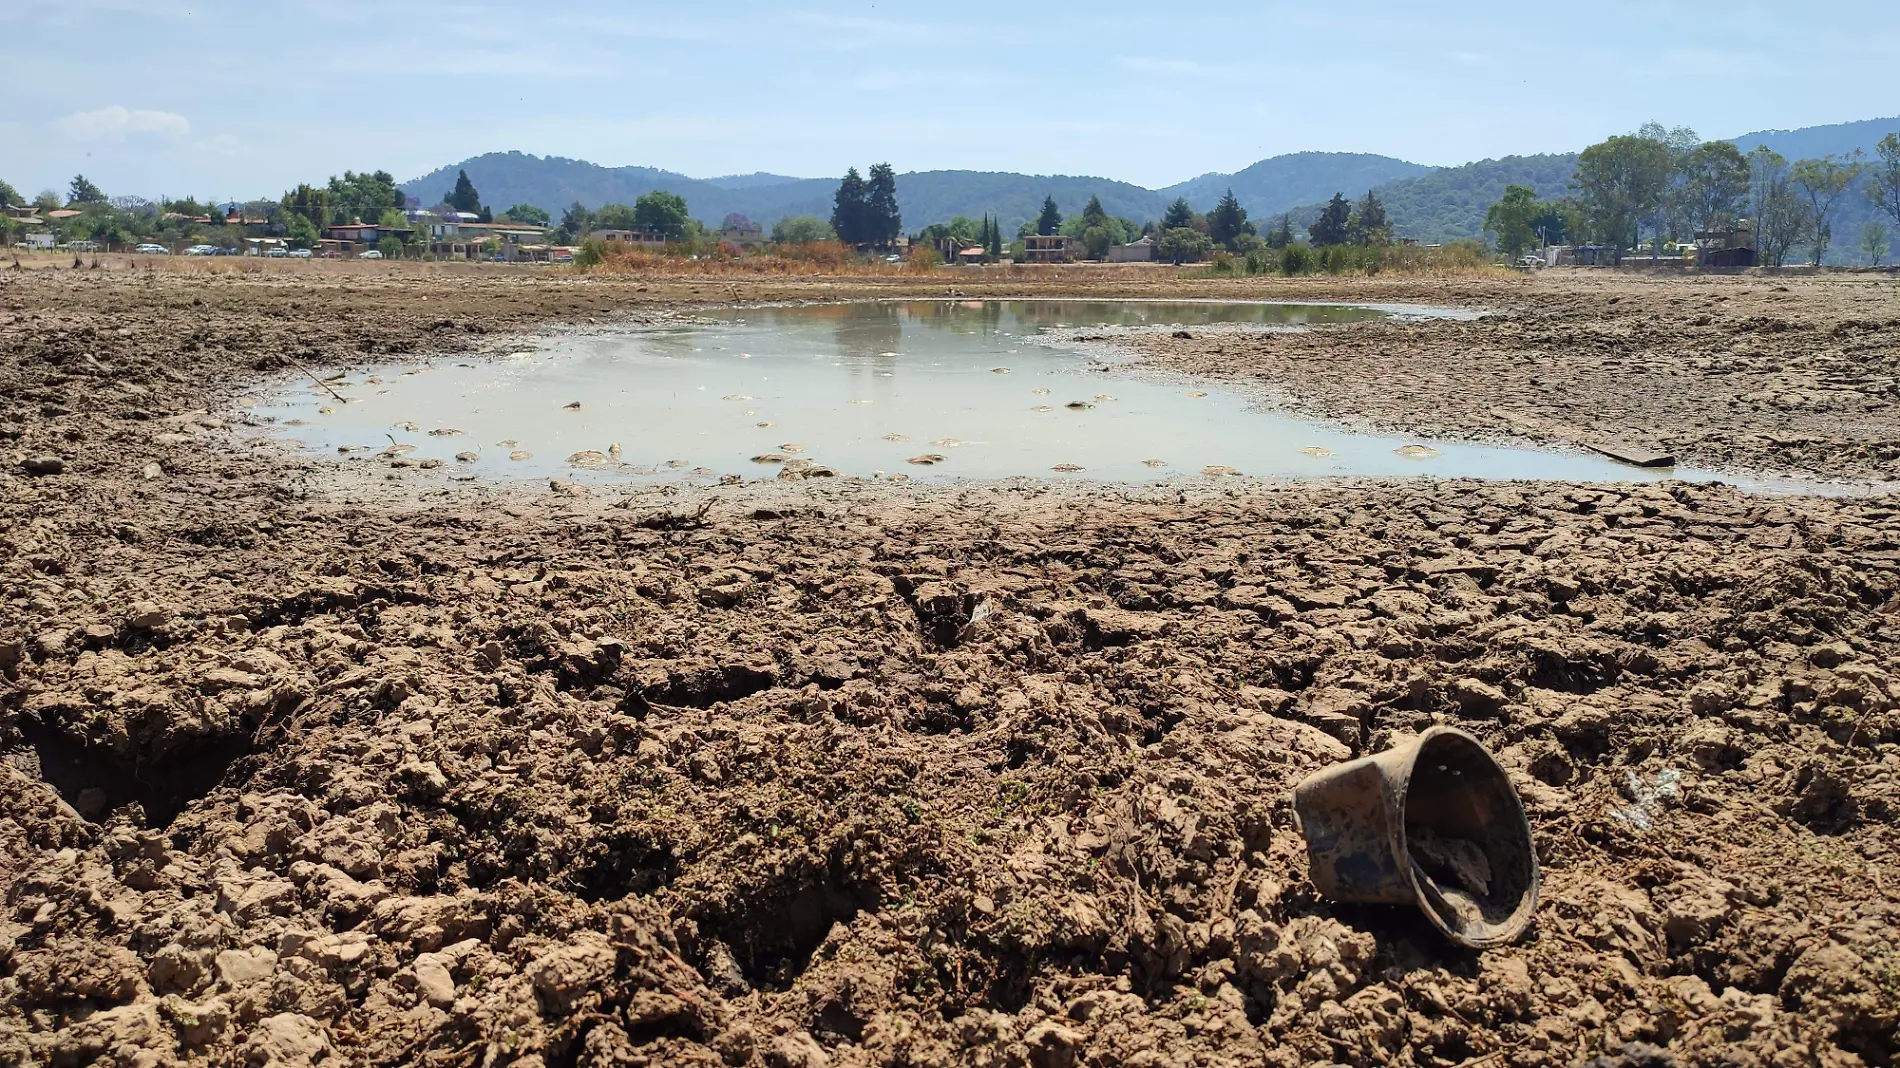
(552, 183)
(1272, 186)
(1450, 203)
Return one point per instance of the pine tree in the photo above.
(1335, 223)
(1282, 235)
(1369, 224)
(996, 237)
(1050, 220)
(848, 210)
(463, 197)
(1093, 214)
(1227, 221)
(84, 192)
(1179, 214)
(882, 220)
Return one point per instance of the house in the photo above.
(21, 211)
(744, 233)
(630, 237)
(350, 239)
(952, 249)
(1142, 251)
(1732, 247)
(1049, 248)
(40, 239)
(63, 213)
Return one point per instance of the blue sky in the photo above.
(239, 98)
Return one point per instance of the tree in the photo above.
(1050, 221)
(1781, 217)
(849, 208)
(363, 197)
(1875, 240)
(463, 197)
(996, 238)
(1227, 221)
(1621, 182)
(299, 231)
(310, 204)
(1822, 182)
(1369, 225)
(882, 220)
(614, 217)
(82, 191)
(1713, 187)
(1883, 188)
(527, 215)
(661, 213)
(576, 220)
(47, 200)
(1179, 214)
(1095, 242)
(1511, 219)
(1182, 243)
(1282, 235)
(803, 230)
(9, 195)
(390, 246)
(393, 219)
(1335, 223)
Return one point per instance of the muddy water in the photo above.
(925, 389)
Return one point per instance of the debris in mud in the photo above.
(1647, 799)
(769, 458)
(572, 406)
(43, 465)
(858, 400)
(792, 448)
(926, 459)
(1041, 391)
(588, 458)
(1316, 451)
(1042, 408)
(1416, 452)
(406, 425)
(1198, 394)
(1103, 398)
(467, 456)
(804, 469)
(1218, 471)
(521, 454)
(764, 424)
(1079, 406)
(445, 432)
(896, 437)
(1068, 468)
(1154, 463)
(736, 397)
(946, 443)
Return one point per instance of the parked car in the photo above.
(277, 253)
(299, 253)
(372, 254)
(200, 250)
(150, 249)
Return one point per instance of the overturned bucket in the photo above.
(1433, 822)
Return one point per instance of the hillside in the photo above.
(552, 183)
(1838, 139)
(1281, 183)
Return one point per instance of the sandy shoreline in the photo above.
(458, 775)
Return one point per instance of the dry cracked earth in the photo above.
(837, 773)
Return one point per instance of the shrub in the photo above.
(1224, 262)
(592, 251)
(1296, 259)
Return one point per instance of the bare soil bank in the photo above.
(841, 774)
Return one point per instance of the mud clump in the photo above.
(819, 772)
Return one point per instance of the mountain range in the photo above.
(1430, 204)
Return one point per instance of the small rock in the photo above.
(146, 615)
(43, 465)
(151, 471)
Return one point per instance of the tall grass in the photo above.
(1457, 258)
(815, 258)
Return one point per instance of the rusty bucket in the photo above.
(1433, 822)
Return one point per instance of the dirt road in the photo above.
(840, 773)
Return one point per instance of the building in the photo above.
(744, 233)
(1049, 248)
(629, 237)
(40, 239)
(350, 239)
(1733, 247)
(1142, 251)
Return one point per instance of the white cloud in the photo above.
(116, 123)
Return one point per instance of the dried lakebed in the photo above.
(922, 389)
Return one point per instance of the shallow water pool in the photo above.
(925, 389)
